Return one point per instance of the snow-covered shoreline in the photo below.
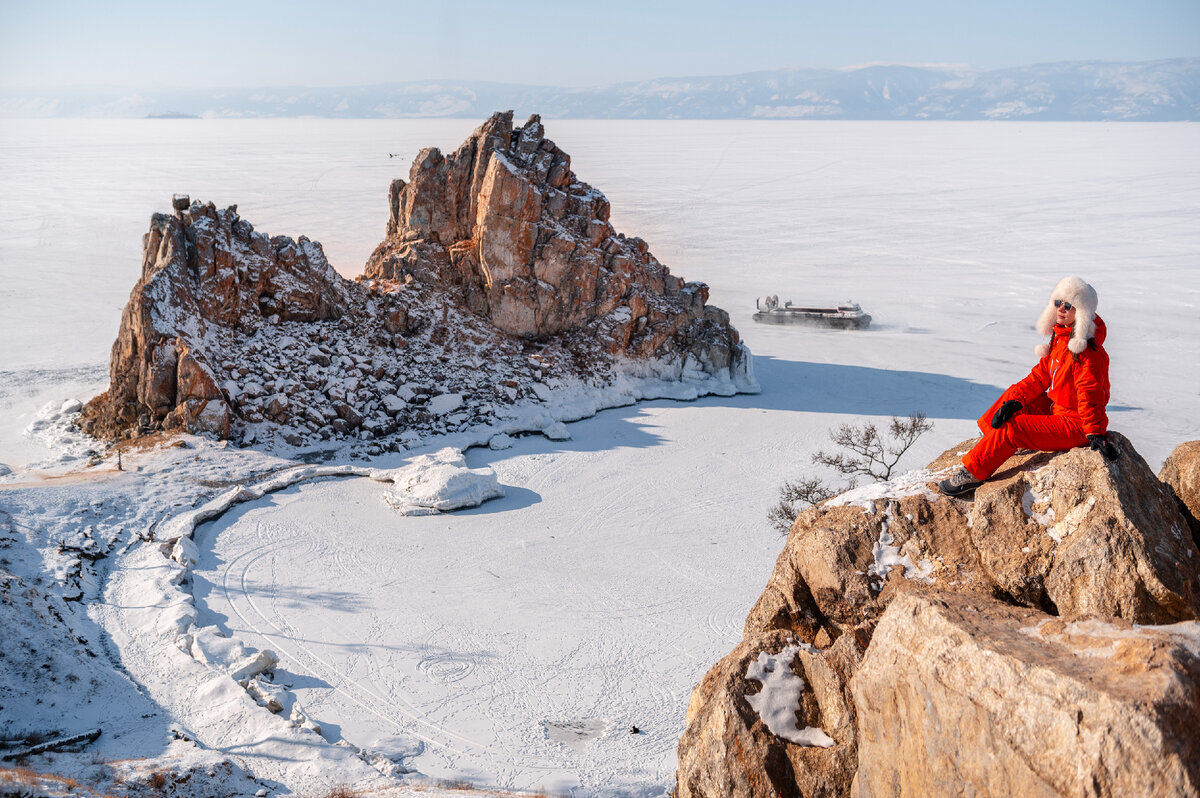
(217, 690)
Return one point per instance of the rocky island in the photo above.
(500, 282)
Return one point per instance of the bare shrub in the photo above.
(867, 453)
(341, 791)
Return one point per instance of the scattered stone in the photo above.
(393, 404)
(444, 403)
(557, 432)
(501, 441)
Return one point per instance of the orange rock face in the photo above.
(530, 246)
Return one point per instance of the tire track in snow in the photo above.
(287, 639)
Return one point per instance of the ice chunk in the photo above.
(439, 482)
(445, 403)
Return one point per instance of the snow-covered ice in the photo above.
(513, 645)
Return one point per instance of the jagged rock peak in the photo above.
(1052, 618)
(530, 246)
(203, 269)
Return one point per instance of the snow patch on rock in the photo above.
(910, 483)
(776, 703)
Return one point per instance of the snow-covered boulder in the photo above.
(439, 482)
(557, 431)
(445, 403)
(500, 441)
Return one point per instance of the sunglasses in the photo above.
(1059, 303)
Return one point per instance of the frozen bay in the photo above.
(647, 531)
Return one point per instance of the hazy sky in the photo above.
(219, 43)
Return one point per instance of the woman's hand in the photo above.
(1006, 411)
(1100, 444)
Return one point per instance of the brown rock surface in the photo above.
(1068, 534)
(728, 750)
(529, 245)
(202, 267)
(1181, 473)
(960, 695)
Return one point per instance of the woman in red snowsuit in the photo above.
(1060, 405)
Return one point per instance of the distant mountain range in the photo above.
(1151, 91)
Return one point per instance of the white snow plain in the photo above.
(514, 645)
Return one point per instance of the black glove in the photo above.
(1100, 444)
(1006, 411)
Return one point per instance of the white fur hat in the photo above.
(1083, 298)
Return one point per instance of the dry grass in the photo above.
(455, 784)
(341, 791)
(45, 782)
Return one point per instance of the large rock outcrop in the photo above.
(917, 616)
(958, 698)
(204, 270)
(500, 279)
(506, 221)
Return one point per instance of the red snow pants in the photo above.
(1033, 427)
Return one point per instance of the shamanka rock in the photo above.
(529, 246)
(946, 645)
(500, 280)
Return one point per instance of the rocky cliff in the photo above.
(499, 281)
(527, 245)
(1040, 640)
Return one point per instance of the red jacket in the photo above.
(1076, 385)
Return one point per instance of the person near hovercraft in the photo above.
(1060, 405)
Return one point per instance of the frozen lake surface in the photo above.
(515, 644)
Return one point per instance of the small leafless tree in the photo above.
(804, 492)
(867, 453)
